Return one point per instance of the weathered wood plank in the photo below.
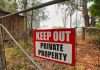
(2, 53)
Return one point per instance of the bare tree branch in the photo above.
(36, 7)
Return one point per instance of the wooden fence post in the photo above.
(83, 33)
(2, 53)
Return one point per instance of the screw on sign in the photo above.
(55, 44)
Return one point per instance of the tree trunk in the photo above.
(85, 12)
(32, 21)
(25, 15)
(31, 28)
(93, 22)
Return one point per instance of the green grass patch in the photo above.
(98, 24)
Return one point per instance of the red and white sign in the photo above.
(55, 44)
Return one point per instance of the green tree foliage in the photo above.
(12, 6)
(97, 2)
(2, 3)
(9, 5)
(95, 8)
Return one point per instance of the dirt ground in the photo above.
(87, 58)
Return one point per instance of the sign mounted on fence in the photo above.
(55, 44)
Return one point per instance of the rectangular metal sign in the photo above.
(55, 44)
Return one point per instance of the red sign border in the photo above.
(73, 47)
